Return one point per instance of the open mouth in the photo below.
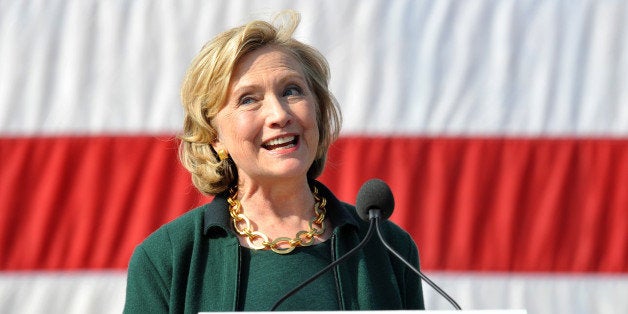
(281, 142)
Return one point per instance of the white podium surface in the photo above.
(402, 311)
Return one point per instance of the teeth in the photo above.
(280, 141)
(286, 141)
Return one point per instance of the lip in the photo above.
(280, 141)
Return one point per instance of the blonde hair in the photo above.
(204, 93)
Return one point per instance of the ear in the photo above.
(216, 145)
(220, 150)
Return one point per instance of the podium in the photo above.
(398, 312)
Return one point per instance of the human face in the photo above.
(268, 124)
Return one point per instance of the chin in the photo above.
(292, 170)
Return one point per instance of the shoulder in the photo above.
(182, 228)
(179, 236)
(155, 260)
(150, 265)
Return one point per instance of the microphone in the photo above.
(374, 195)
(375, 202)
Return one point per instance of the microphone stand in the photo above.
(368, 235)
(375, 215)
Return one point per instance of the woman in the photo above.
(259, 118)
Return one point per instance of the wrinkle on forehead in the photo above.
(263, 61)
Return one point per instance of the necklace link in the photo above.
(281, 245)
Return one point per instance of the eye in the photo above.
(246, 100)
(293, 90)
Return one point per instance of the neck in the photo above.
(281, 200)
(278, 211)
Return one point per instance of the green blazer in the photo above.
(192, 264)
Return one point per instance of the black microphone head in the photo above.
(375, 194)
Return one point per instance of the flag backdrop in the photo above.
(501, 127)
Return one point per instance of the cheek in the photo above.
(310, 123)
(309, 115)
(227, 129)
(234, 126)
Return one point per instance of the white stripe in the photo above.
(103, 292)
(537, 293)
(62, 292)
(536, 67)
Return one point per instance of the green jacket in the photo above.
(192, 264)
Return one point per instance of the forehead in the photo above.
(266, 60)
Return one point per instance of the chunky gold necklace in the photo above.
(281, 245)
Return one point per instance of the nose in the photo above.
(278, 112)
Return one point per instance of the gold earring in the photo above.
(222, 154)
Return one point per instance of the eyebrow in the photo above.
(292, 76)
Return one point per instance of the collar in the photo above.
(217, 220)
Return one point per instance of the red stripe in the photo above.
(76, 202)
(488, 204)
(499, 204)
